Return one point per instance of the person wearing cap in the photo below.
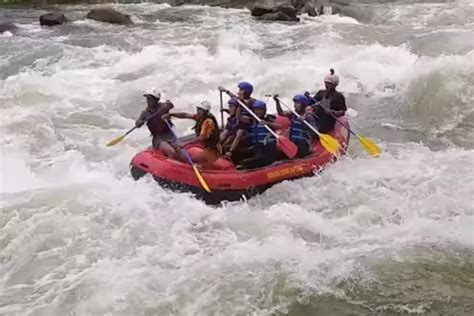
(329, 102)
(162, 136)
(230, 130)
(263, 142)
(300, 133)
(241, 139)
(206, 129)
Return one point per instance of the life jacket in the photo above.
(299, 131)
(261, 135)
(232, 124)
(156, 125)
(249, 103)
(326, 122)
(213, 139)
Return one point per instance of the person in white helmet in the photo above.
(206, 129)
(162, 137)
(329, 103)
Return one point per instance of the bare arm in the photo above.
(273, 125)
(242, 118)
(141, 119)
(223, 135)
(164, 109)
(279, 109)
(182, 115)
(271, 122)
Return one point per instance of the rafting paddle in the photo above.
(283, 143)
(117, 140)
(366, 143)
(190, 161)
(327, 141)
(369, 146)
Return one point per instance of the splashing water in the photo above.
(388, 236)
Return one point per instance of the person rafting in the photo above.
(263, 142)
(244, 95)
(162, 137)
(329, 103)
(206, 130)
(300, 133)
(230, 130)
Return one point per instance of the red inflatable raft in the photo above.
(232, 184)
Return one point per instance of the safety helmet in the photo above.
(247, 87)
(153, 93)
(301, 99)
(204, 105)
(332, 78)
(258, 104)
(233, 101)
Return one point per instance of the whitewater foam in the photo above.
(78, 234)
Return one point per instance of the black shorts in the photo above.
(166, 137)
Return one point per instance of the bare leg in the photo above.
(238, 137)
(206, 157)
(167, 149)
(227, 143)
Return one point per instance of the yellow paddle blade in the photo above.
(329, 143)
(201, 180)
(115, 141)
(370, 146)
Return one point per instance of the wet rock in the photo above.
(287, 10)
(109, 15)
(335, 9)
(259, 10)
(279, 16)
(51, 19)
(7, 27)
(274, 10)
(309, 9)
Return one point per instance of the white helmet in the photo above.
(332, 78)
(205, 105)
(153, 93)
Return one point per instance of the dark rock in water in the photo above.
(287, 9)
(335, 9)
(279, 16)
(275, 10)
(7, 27)
(270, 17)
(309, 9)
(259, 10)
(50, 19)
(109, 15)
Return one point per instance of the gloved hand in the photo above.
(275, 97)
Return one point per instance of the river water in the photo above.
(385, 236)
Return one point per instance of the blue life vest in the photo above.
(299, 131)
(261, 135)
(232, 124)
